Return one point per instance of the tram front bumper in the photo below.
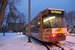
(56, 39)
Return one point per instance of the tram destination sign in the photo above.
(56, 12)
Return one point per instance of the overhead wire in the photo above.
(38, 6)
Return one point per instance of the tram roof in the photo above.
(55, 9)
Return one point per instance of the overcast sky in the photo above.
(39, 5)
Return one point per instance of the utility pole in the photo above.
(29, 23)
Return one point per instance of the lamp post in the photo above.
(29, 23)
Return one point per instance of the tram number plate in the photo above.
(59, 34)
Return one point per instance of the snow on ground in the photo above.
(13, 41)
(71, 38)
(72, 34)
(18, 41)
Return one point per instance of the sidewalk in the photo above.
(13, 41)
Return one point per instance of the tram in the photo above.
(48, 26)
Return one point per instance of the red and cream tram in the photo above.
(48, 26)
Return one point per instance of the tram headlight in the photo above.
(65, 34)
(53, 35)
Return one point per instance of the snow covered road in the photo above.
(13, 41)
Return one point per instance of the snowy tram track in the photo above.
(45, 45)
(50, 46)
(66, 45)
(53, 46)
(63, 45)
(41, 43)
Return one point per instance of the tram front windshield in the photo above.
(54, 22)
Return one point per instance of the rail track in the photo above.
(54, 46)
(67, 45)
(63, 45)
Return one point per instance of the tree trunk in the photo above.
(2, 12)
(0, 1)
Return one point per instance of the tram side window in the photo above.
(38, 22)
(26, 29)
(33, 25)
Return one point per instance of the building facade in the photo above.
(15, 26)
